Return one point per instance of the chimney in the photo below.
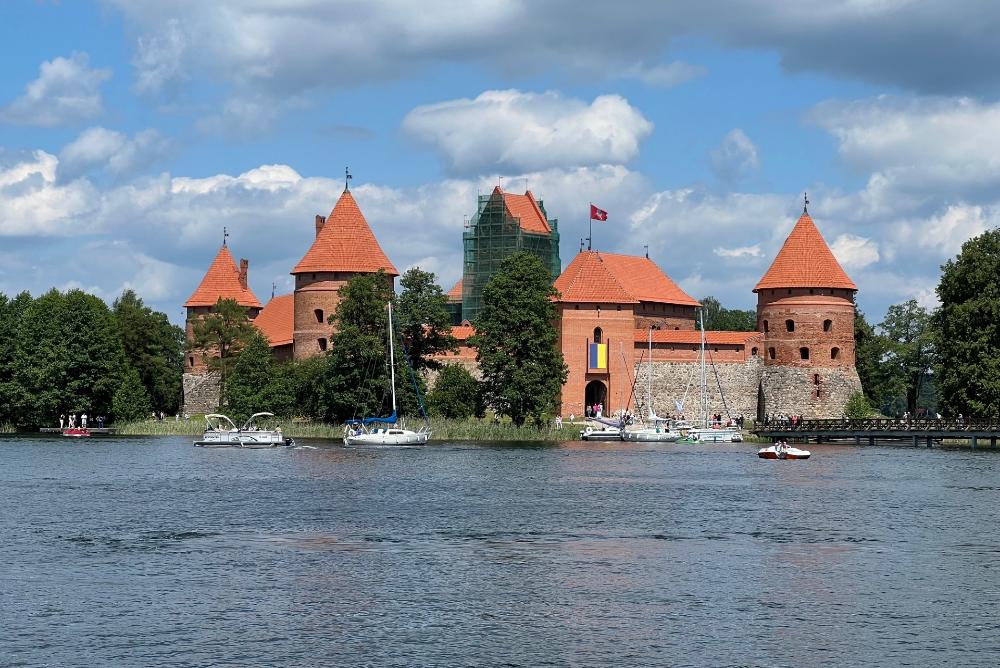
(244, 265)
(320, 222)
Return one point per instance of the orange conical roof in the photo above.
(222, 281)
(805, 261)
(345, 243)
(588, 279)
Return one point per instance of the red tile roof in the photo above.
(618, 279)
(588, 279)
(462, 332)
(693, 337)
(222, 281)
(345, 243)
(455, 294)
(525, 208)
(277, 320)
(805, 261)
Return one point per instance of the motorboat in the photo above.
(76, 432)
(220, 432)
(255, 434)
(716, 435)
(384, 430)
(783, 451)
(601, 433)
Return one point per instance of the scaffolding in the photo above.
(495, 234)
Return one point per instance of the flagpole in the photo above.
(590, 220)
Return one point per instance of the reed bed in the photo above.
(7, 428)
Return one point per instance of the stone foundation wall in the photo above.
(795, 391)
(201, 392)
(671, 380)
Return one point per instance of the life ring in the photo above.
(588, 430)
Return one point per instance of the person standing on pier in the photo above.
(83, 421)
(62, 418)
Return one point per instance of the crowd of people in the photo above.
(80, 421)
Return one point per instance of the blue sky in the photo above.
(132, 132)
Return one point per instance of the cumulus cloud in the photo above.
(158, 60)
(116, 152)
(741, 251)
(66, 91)
(854, 252)
(665, 75)
(510, 130)
(33, 204)
(735, 157)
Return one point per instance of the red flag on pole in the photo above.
(597, 214)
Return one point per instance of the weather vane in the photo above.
(646, 246)
(225, 235)
(347, 179)
(805, 202)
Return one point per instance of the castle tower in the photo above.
(504, 224)
(805, 312)
(223, 280)
(343, 248)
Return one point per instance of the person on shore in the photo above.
(72, 420)
(62, 419)
(572, 417)
(83, 420)
(100, 421)
(559, 422)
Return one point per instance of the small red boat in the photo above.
(76, 432)
(783, 452)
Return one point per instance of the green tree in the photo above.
(130, 401)
(871, 350)
(221, 335)
(967, 329)
(69, 357)
(154, 348)
(523, 370)
(719, 318)
(257, 383)
(456, 393)
(910, 349)
(424, 323)
(858, 407)
(11, 395)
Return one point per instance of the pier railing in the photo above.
(883, 425)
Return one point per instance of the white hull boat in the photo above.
(601, 434)
(651, 435)
(783, 452)
(387, 437)
(721, 435)
(221, 432)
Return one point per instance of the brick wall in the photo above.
(576, 328)
(822, 323)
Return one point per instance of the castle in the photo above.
(611, 307)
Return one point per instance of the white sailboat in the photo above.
(710, 433)
(659, 430)
(383, 430)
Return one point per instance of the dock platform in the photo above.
(979, 432)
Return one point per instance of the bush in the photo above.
(130, 401)
(456, 394)
(857, 407)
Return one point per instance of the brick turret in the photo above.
(343, 248)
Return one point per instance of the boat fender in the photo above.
(588, 430)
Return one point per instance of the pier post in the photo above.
(857, 440)
(914, 440)
(929, 441)
(871, 440)
(993, 442)
(974, 440)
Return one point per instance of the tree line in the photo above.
(69, 352)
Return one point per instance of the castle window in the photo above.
(765, 326)
(790, 325)
(619, 307)
(810, 291)
(789, 291)
(190, 361)
(827, 325)
(815, 379)
(753, 351)
(804, 353)
(598, 334)
(576, 307)
(319, 314)
(322, 343)
(834, 353)
(676, 328)
(770, 353)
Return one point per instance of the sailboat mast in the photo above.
(704, 378)
(392, 361)
(649, 376)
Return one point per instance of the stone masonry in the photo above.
(202, 392)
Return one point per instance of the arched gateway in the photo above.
(596, 393)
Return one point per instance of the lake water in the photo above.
(148, 552)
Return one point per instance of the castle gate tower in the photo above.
(805, 312)
(343, 248)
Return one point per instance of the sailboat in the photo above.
(713, 433)
(659, 430)
(383, 430)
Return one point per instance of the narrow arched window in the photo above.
(765, 327)
(834, 353)
(770, 353)
(753, 351)
(319, 314)
(827, 325)
(804, 353)
(790, 325)
(598, 334)
(322, 343)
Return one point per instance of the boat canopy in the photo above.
(390, 419)
(219, 417)
(253, 418)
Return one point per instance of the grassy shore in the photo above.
(442, 429)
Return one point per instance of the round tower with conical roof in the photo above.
(343, 248)
(805, 312)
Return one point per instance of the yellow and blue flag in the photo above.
(598, 356)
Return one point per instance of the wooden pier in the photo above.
(979, 432)
(94, 431)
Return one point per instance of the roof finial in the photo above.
(225, 235)
(805, 203)
(646, 246)
(581, 244)
(347, 179)
(274, 286)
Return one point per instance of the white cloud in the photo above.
(158, 59)
(510, 130)
(741, 251)
(735, 157)
(854, 252)
(66, 91)
(111, 150)
(32, 204)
